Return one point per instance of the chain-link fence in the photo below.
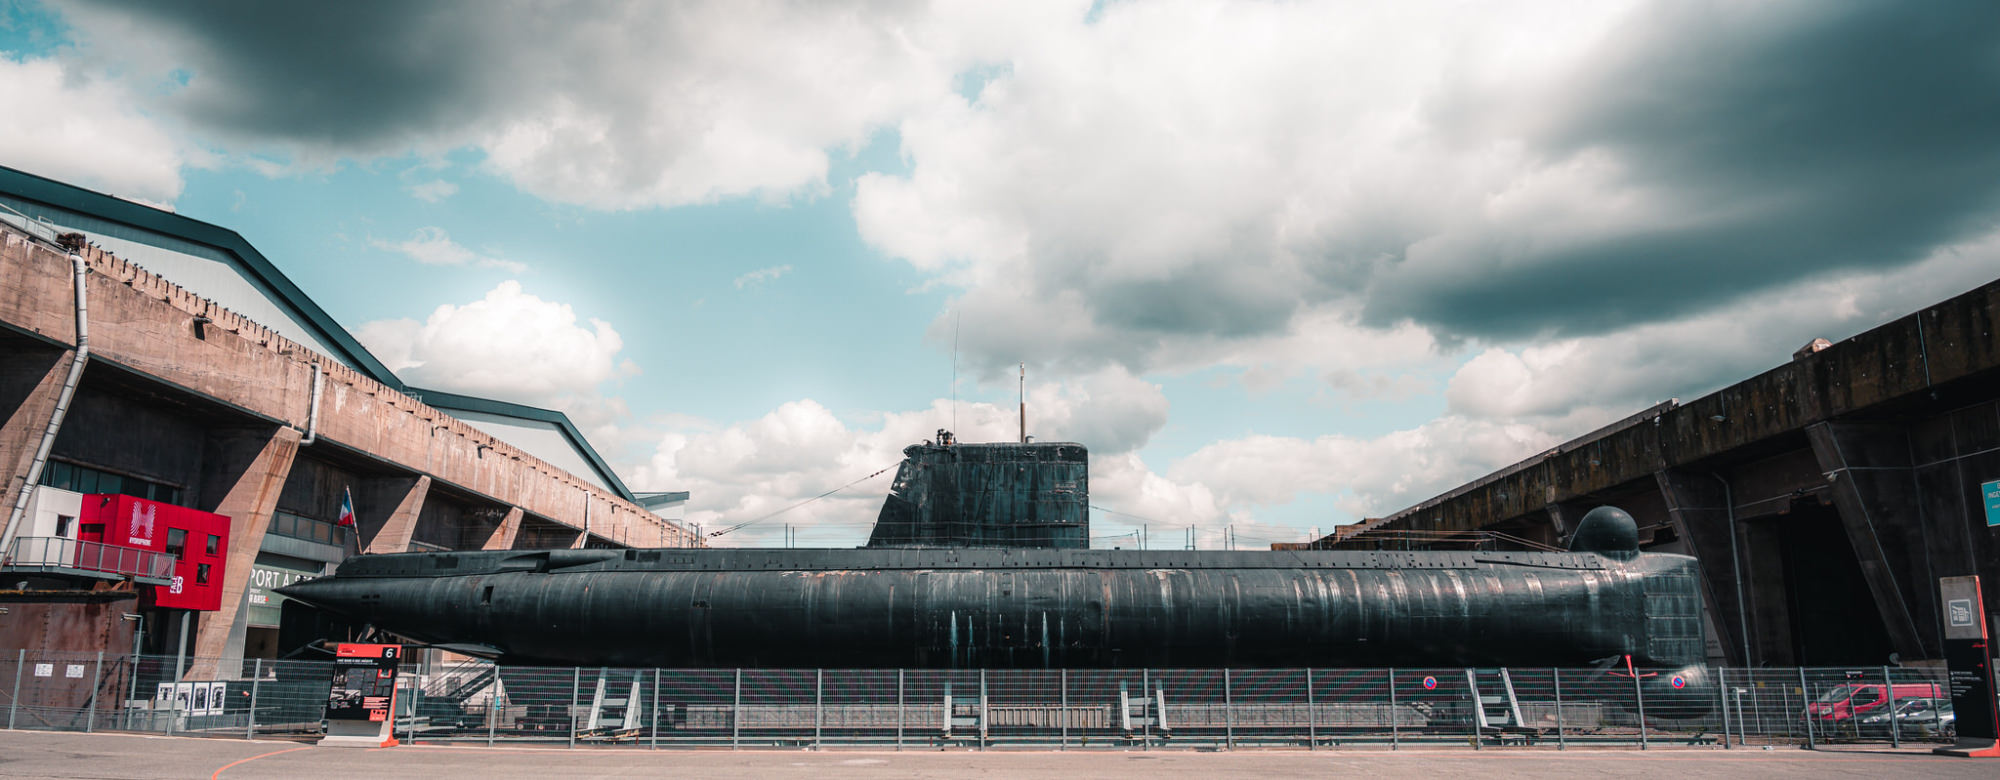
(476, 701)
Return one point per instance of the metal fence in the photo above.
(479, 702)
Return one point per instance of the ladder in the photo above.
(969, 716)
(1151, 711)
(1495, 708)
(612, 715)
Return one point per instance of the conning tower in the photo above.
(1003, 494)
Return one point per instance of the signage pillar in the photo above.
(361, 708)
(1968, 656)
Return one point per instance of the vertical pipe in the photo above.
(1889, 701)
(1562, 742)
(1805, 709)
(78, 358)
(736, 714)
(1228, 712)
(654, 721)
(1395, 714)
(1312, 714)
(96, 680)
(1639, 692)
(256, 679)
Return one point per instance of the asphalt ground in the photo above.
(30, 754)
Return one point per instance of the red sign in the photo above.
(199, 542)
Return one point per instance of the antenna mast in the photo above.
(1024, 402)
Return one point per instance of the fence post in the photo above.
(1889, 700)
(14, 703)
(819, 703)
(493, 706)
(96, 680)
(256, 679)
(899, 709)
(655, 720)
(736, 714)
(1805, 709)
(982, 709)
(131, 687)
(1722, 699)
(1639, 692)
(1063, 682)
(575, 690)
(1395, 715)
(1562, 742)
(1145, 727)
(1312, 714)
(1228, 712)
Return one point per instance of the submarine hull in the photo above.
(1011, 608)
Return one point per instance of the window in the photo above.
(84, 479)
(92, 528)
(201, 574)
(214, 544)
(176, 542)
(62, 525)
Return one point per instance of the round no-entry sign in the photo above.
(1430, 683)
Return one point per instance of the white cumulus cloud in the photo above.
(83, 130)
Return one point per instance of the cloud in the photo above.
(610, 105)
(88, 131)
(1130, 190)
(747, 470)
(432, 246)
(432, 191)
(508, 345)
(761, 276)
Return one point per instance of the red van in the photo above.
(1846, 702)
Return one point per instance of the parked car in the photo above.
(1846, 703)
(1913, 717)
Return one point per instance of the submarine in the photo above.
(980, 559)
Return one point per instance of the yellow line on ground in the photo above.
(225, 767)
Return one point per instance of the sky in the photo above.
(1281, 266)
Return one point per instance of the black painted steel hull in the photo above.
(993, 608)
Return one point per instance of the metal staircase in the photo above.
(1496, 710)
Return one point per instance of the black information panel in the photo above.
(1967, 656)
(364, 682)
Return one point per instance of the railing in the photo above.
(1055, 709)
(58, 554)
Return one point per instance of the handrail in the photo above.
(56, 552)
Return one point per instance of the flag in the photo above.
(346, 507)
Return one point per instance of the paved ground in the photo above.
(29, 754)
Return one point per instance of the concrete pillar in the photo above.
(401, 524)
(244, 471)
(1697, 508)
(1869, 475)
(503, 536)
(31, 379)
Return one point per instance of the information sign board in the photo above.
(361, 704)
